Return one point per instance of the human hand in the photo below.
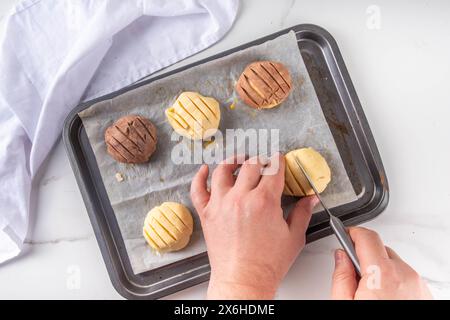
(250, 244)
(384, 274)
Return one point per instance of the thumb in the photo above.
(344, 277)
(298, 219)
(199, 192)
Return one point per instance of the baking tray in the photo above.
(348, 125)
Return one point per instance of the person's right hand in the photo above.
(384, 274)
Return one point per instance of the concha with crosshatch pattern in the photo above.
(131, 139)
(168, 227)
(194, 116)
(315, 165)
(264, 84)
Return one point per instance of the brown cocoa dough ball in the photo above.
(131, 139)
(264, 84)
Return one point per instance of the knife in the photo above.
(336, 225)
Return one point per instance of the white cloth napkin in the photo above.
(55, 53)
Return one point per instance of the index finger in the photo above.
(369, 247)
(273, 175)
(222, 177)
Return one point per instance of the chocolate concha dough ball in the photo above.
(131, 139)
(264, 84)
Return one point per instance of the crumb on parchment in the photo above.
(119, 177)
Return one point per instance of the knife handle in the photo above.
(346, 242)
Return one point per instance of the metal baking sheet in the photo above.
(345, 119)
(298, 122)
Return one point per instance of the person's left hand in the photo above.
(250, 245)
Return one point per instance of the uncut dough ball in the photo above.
(168, 227)
(131, 139)
(264, 84)
(194, 116)
(314, 164)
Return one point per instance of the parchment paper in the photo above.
(299, 119)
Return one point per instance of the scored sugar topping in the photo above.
(168, 227)
(264, 84)
(131, 139)
(194, 116)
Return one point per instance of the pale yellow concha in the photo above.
(168, 227)
(315, 166)
(194, 116)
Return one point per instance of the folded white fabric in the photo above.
(55, 53)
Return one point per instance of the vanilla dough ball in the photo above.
(315, 166)
(194, 116)
(168, 227)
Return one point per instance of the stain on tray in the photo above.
(342, 128)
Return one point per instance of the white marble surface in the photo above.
(400, 72)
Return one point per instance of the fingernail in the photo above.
(264, 160)
(315, 201)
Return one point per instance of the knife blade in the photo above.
(336, 224)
